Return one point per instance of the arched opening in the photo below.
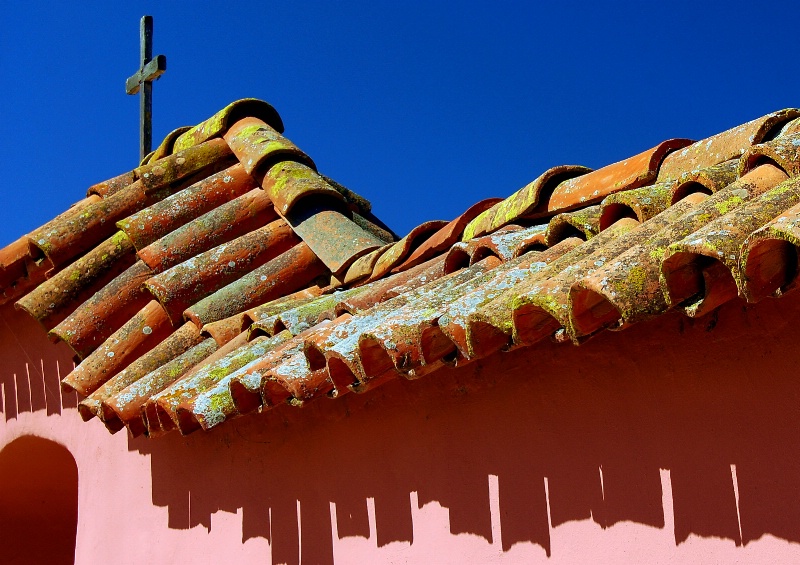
(38, 502)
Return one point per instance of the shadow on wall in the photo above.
(38, 502)
(714, 401)
(28, 382)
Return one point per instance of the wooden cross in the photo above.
(142, 83)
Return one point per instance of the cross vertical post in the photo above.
(141, 83)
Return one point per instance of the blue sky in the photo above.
(423, 108)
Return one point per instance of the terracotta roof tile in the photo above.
(455, 323)
(221, 225)
(294, 291)
(167, 145)
(187, 283)
(218, 124)
(768, 258)
(396, 254)
(181, 340)
(105, 312)
(332, 236)
(628, 290)
(139, 335)
(729, 144)
(213, 402)
(783, 152)
(527, 200)
(708, 180)
(684, 277)
(112, 185)
(156, 221)
(258, 146)
(55, 299)
(126, 405)
(630, 173)
(447, 235)
(583, 223)
(289, 272)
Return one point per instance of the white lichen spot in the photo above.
(147, 330)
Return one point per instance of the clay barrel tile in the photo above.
(768, 257)
(157, 419)
(544, 305)
(723, 146)
(359, 343)
(214, 404)
(453, 321)
(334, 238)
(211, 373)
(304, 315)
(245, 386)
(633, 172)
(180, 341)
(81, 228)
(409, 337)
(295, 379)
(289, 182)
(700, 272)
(391, 286)
(105, 311)
(490, 326)
(277, 306)
(708, 180)
(460, 254)
(583, 223)
(258, 147)
(167, 145)
(395, 255)
(447, 235)
(218, 124)
(783, 152)
(291, 271)
(12, 261)
(790, 128)
(523, 202)
(138, 336)
(156, 221)
(362, 268)
(37, 271)
(506, 243)
(628, 290)
(52, 301)
(186, 283)
(199, 160)
(126, 405)
(18, 269)
(343, 365)
(224, 330)
(640, 203)
(225, 223)
(108, 187)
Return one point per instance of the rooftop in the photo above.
(226, 274)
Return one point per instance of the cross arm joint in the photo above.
(150, 72)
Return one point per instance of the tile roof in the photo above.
(225, 274)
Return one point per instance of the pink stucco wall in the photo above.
(674, 441)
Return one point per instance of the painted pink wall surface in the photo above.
(675, 441)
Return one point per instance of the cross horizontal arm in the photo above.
(149, 73)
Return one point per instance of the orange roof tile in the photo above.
(241, 277)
